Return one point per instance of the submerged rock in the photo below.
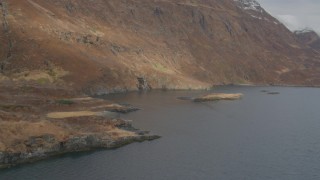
(186, 98)
(273, 93)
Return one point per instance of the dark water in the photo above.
(259, 137)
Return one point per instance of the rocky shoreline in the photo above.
(37, 123)
(81, 123)
(45, 146)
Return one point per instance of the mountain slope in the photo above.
(107, 44)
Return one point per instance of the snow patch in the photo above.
(249, 5)
(254, 9)
(255, 16)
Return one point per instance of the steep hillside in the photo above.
(309, 38)
(106, 44)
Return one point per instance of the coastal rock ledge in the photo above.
(47, 145)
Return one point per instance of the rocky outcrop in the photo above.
(143, 84)
(218, 97)
(124, 108)
(42, 147)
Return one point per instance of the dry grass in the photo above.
(218, 96)
(41, 76)
(3, 78)
(61, 115)
(22, 130)
(83, 99)
(118, 133)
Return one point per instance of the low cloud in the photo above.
(291, 21)
(295, 14)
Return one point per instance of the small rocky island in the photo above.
(217, 97)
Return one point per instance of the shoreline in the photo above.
(45, 141)
(201, 89)
(36, 124)
(9, 160)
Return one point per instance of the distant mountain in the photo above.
(309, 38)
(106, 44)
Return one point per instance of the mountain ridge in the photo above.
(308, 37)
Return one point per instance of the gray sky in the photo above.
(295, 14)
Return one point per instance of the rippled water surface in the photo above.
(261, 136)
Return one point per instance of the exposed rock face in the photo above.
(105, 45)
(143, 84)
(309, 38)
(47, 145)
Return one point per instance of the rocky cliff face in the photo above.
(96, 46)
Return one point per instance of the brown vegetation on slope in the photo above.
(51, 49)
(104, 44)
